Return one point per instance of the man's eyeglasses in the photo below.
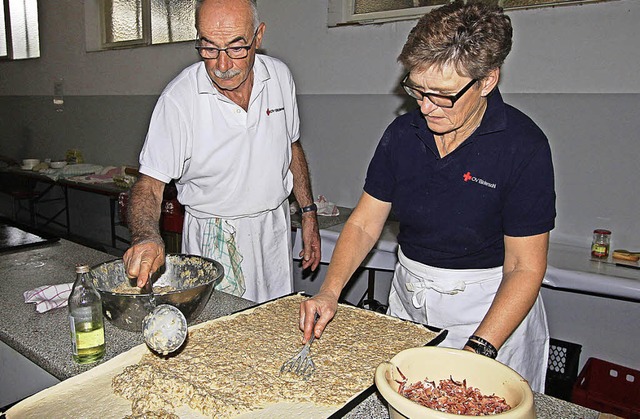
(442, 101)
(236, 53)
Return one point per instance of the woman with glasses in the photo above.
(470, 180)
(227, 130)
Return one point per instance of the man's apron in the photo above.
(457, 300)
(254, 251)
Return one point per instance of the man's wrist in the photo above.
(310, 208)
(136, 241)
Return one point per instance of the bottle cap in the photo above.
(81, 269)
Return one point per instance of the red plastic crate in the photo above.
(172, 213)
(172, 216)
(608, 388)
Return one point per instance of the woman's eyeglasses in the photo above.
(442, 101)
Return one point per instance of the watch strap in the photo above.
(482, 347)
(310, 208)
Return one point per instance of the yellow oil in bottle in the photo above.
(87, 341)
(85, 319)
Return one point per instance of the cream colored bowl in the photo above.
(30, 163)
(434, 363)
(58, 164)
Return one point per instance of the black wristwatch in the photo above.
(482, 347)
(310, 208)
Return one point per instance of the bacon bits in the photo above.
(452, 396)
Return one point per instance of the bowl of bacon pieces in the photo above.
(444, 383)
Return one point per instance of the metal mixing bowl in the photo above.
(192, 277)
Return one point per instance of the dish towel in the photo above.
(48, 297)
(219, 243)
(326, 208)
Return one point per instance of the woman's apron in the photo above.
(457, 300)
(254, 251)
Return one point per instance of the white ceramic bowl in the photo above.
(29, 163)
(58, 164)
(434, 363)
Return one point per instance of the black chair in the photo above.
(24, 194)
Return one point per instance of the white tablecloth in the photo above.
(570, 267)
(382, 257)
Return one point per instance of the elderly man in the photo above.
(226, 129)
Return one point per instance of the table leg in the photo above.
(113, 201)
(371, 284)
(65, 190)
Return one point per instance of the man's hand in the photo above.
(326, 305)
(143, 259)
(310, 253)
(146, 254)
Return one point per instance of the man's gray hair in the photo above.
(254, 12)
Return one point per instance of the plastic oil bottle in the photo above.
(85, 319)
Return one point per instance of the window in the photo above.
(19, 32)
(345, 12)
(129, 23)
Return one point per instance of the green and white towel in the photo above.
(220, 244)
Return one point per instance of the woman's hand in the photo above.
(326, 305)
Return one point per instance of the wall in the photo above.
(573, 70)
(570, 70)
(602, 326)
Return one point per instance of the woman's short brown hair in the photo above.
(474, 38)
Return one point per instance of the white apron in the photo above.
(457, 300)
(254, 251)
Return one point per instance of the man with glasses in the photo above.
(470, 180)
(226, 129)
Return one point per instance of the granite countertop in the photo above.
(44, 338)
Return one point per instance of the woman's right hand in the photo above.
(323, 303)
(358, 236)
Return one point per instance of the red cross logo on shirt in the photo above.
(467, 176)
(270, 111)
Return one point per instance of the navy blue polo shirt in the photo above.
(454, 211)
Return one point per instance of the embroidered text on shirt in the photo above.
(270, 111)
(468, 177)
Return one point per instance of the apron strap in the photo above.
(444, 281)
(419, 289)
